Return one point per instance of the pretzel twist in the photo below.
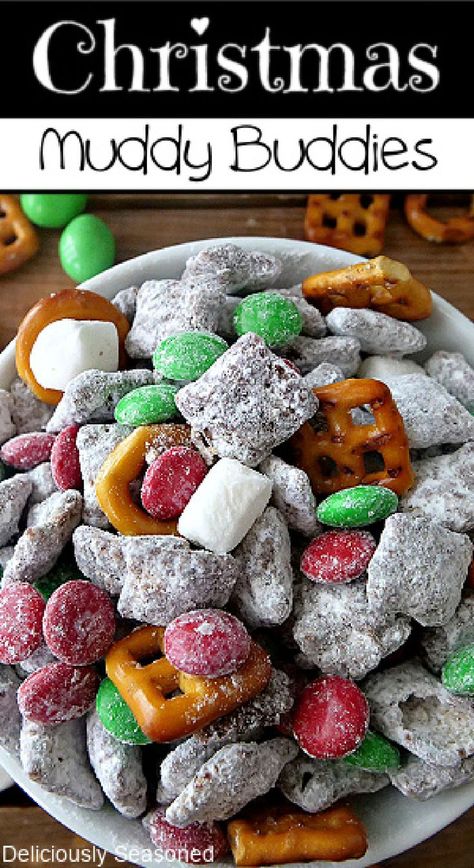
(349, 221)
(456, 230)
(18, 240)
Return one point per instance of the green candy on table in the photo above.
(147, 405)
(276, 319)
(458, 672)
(86, 247)
(64, 571)
(52, 210)
(116, 717)
(188, 355)
(358, 506)
(375, 754)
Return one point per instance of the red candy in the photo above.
(171, 480)
(65, 465)
(21, 615)
(207, 642)
(27, 450)
(197, 843)
(79, 623)
(330, 718)
(338, 555)
(57, 693)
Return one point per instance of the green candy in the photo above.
(458, 672)
(277, 320)
(64, 571)
(147, 405)
(3, 471)
(358, 506)
(52, 210)
(188, 355)
(86, 247)
(116, 716)
(375, 754)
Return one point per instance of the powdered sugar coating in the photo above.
(421, 780)
(7, 426)
(263, 593)
(387, 368)
(95, 442)
(6, 553)
(126, 302)
(308, 353)
(14, 494)
(226, 326)
(438, 643)
(376, 332)
(314, 325)
(234, 268)
(315, 785)
(99, 555)
(56, 758)
(444, 489)
(207, 642)
(28, 412)
(247, 403)
(338, 555)
(10, 719)
(42, 483)
(93, 395)
(292, 495)
(455, 373)
(430, 414)
(336, 631)
(234, 776)
(118, 768)
(418, 569)
(79, 623)
(411, 707)
(323, 375)
(40, 658)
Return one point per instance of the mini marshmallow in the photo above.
(387, 369)
(225, 506)
(67, 347)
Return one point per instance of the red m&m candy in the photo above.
(21, 615)
(197, 843)
(65, 465)
(330, 718)
(207, 642)
(57, 693)
(171, 480)
(79, 623)
(338, 555)
(27, 450)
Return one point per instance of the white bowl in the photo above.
(394, 822)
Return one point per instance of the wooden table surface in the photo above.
(146, 222)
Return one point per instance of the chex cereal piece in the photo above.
(316, 784)
(233, 267)
(93, 395)
(314, 325)
(118, 768)
(444, 489)
(167, 307)
(418, 569)
(39, 547)
(7, 426)
(165, 577)
(323, 375)
(94, 443)
(126, 302)
(421, 780)
(263, 593)
(14, 493)
(411, 707)
(387, 368)
(308, 353)
(42, 482)
(292, 495)
(28, 412)
(234, 776)
(6, 553)
(455, 373)
(247, 403)
(430, 414)
(10, 720)
(438, 643)
(351, 221)
(225, 327)
(56, 758)
(376, 332)
(337, 632)
(99, 556)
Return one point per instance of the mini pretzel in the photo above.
(381, 283)
(286, 835)
(146, 688)
(18, 240)
(121, 467)
(67, 304)
(349, 221)
(335, 457)
(456, 230)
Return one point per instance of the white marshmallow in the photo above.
(225, 506)
(387, 369)
(68, 347)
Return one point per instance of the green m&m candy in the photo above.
(458, 672)
(52, 210)
(116, 717)
(276, 319)
(375, 754)
(147, 405)
(188, 355)
(64, 571)
(358, 506)
(86, 247)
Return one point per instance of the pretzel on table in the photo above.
(456, 230)
(18, 240)
(350, 221)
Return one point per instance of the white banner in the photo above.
(236, 154)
